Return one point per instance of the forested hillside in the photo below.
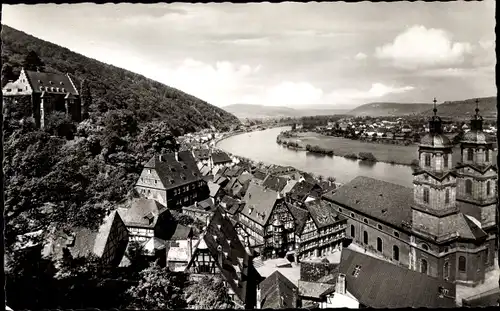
(114, 88)
(388, 109)
(70, 175)
(464, 109)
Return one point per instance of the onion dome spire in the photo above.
(435, 122)
(476, 123)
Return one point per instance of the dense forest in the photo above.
(70, 175)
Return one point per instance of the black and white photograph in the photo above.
(292, 155)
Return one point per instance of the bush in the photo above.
(351, 156)
(367, 156)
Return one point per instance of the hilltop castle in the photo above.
(45, 93)
(445, 225)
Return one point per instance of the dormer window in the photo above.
(426, 195)
(470, 154)
(40, 81)
(61, 83)
(50, 82)
(41, 88)
(64, 90)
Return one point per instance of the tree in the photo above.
(208, 293)
(33, 62)
(7, 74)
(158, 288)
(86, 98)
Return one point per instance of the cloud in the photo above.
(421, 47)
(360, 56)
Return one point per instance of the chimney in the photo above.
(258, 298)
(340, 287)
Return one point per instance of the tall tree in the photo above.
(158, 288)
(33, 62)
(86, 98)
(7, 74)
(208, 293)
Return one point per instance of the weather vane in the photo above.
(435, 109)
(477, 106)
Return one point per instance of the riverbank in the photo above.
(393, 154)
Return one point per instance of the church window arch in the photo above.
(395, 253)
(425, 247)
(426, 195)
(447, 196)
(379, 244)
(470, 154)
(353, 231)
(487, 155)
(446, 270)
(427, 159)
(468, 186)
(445, 160)
(423, 266)
(488, 188)
(461, 264)
(365, 237)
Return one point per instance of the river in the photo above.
(262, 146)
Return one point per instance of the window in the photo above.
(447, 196)
(396, 234)
(356, 271)
(446, 270)
(427, 160)
(470, 155)
(445, 160)
(486, 255)
(352, 215)
(365, 237)
(379, 244)
(468, 186)
(461, 263)
(425, 247)
(353, 231)
(488, 188)
(423, 266)
(340, 210)
(395, 253)
(365, 221)
(379, 227)
(487, 155)
(426, 195)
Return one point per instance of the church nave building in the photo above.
(446, 225)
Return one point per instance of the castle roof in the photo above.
(50, 82)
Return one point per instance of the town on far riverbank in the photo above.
(389, 140)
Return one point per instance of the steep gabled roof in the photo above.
(259, 203)
(278, 292)
(221, 158)
(302, 190)
(214, 188)
(480, 169)
(275, 183)
(300, 215)
(140, 211)
(174, 173)
(231, 205)
(49, 82)
(201, 154)
(381, 284)
(223, 244)
(378, 199)
(259, 174)
(322, 213)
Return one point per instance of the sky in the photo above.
(286, 54)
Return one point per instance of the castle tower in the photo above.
(434, 183)
(477, 177)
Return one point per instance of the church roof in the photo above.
(476, 137)
(434, 140)
(378, 199)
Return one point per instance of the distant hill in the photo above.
(388, 109)
(244, 111)
(466, 108)
(114, 88)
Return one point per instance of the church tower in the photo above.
(477, 178)
(434, 183)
